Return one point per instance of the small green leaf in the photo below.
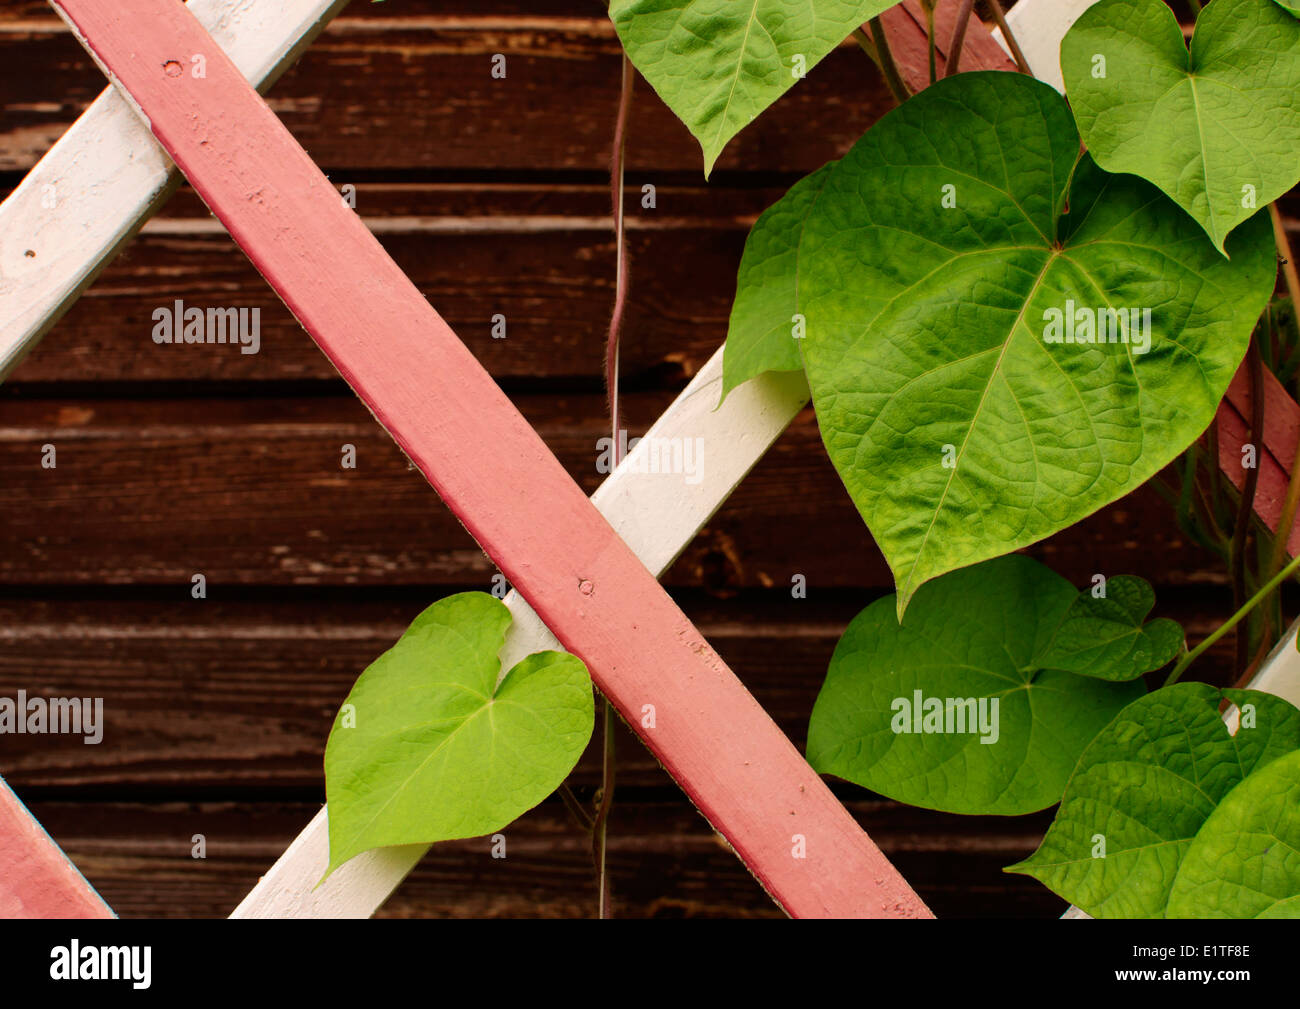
(765, 328)
(439, 749)
(979, 635)
(1105, 637)
(934, 270)
(1290, 5)
(1143, 789)
(719, 63)
(1217, 128)
(1245, 860)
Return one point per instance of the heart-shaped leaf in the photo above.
(1144, 788)
(719, 63)
(1217, 128)
(954, 709)
(430, 747)
(1104, 636)
(950, 312)
(1245, 861)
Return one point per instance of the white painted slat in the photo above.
(107, 175)
(1039, 26)
(657, 515)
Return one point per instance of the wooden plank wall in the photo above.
(180, 460)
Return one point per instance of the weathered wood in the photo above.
(251, 492)
(1274, 452)
(36, 879)
(218, 696)
(664, 860)
(428, 100)
(105, 175)
(906, 30)
(541, 256)
(489, 465)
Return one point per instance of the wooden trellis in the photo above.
(591, 578)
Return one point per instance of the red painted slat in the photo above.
(909, 43)
(1275, 450)
(489, 465)
(36, 878)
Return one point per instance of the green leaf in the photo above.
(931, 269)
(1290, 5)
(1146, 785)
(1106, 637)
(981, 634)
(1245, 861)
(440, 749)
(719, 63)
(1218, 128)
(764, 330)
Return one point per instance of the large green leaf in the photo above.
(1145, 787)
(931, 269)
(1245, 861)
(979, 633)
(1217, 128)
(719, 63)
(439, 749)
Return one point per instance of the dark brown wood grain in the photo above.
(202, 697)
(665, 860)
(426, 97)
(541, 255)
(251, 491)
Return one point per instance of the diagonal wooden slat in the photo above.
(91, 192)
(36, 879)
(909, 42)
(489, 466)
(657, 518)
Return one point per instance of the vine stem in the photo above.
(609, 758)
(1286, 521)
(571, 803)
(879, 41)
(959, 37)
(1246, 505)
(1000, 17)
(601, 822)
(620, 251)
(928, 7)
(1233, 620)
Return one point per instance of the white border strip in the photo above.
(107, 175)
